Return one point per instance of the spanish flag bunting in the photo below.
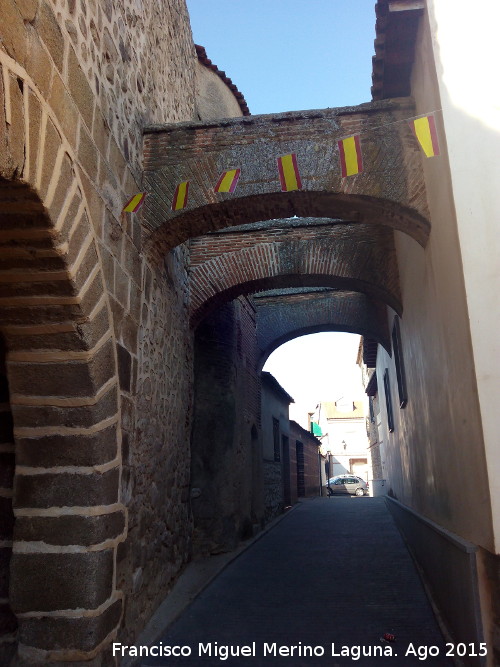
(425, 131)
(351, 162)
(134, 204)
(181, 196)
(289, 173)
(228, 181)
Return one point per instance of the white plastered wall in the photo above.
(466, 53)
(435, 458)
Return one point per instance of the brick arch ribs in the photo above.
(61, 368)
(357, 258)
(389, 191)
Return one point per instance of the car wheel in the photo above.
(360, 492)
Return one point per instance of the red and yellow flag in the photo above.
(228, 181)
(425, 131)
(134, 204)
(289, 173)
(351, 162)
(181, 196)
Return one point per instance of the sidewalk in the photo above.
(329, 579)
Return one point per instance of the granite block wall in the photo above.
(83, 313)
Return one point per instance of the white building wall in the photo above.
(465, 46)
(437, 444)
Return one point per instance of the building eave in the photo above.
(396, 33)
(205, 60)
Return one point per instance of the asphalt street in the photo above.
(321, 588)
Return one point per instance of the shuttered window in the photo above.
(400, 364)
(388, 400)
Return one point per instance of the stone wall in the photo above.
(227, 264)
(273, 490)
(135, 60)
(77, 295)
(225, 476)
(156, 458)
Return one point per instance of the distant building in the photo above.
(275, 446)
(305, 463)
(343, 436)
(292, 460)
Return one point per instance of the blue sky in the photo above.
(288, 55)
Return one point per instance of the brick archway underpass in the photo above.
(353, 257)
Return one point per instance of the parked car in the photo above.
(347, 485)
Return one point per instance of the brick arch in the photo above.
(389, 191)
(283, 317)
(357, 258)
(278, 205)
(62, 373)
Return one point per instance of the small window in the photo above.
(388, 400)
(276, 439)
(399, 361)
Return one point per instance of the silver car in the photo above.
(347, 485)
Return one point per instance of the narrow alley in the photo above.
(331, 578)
